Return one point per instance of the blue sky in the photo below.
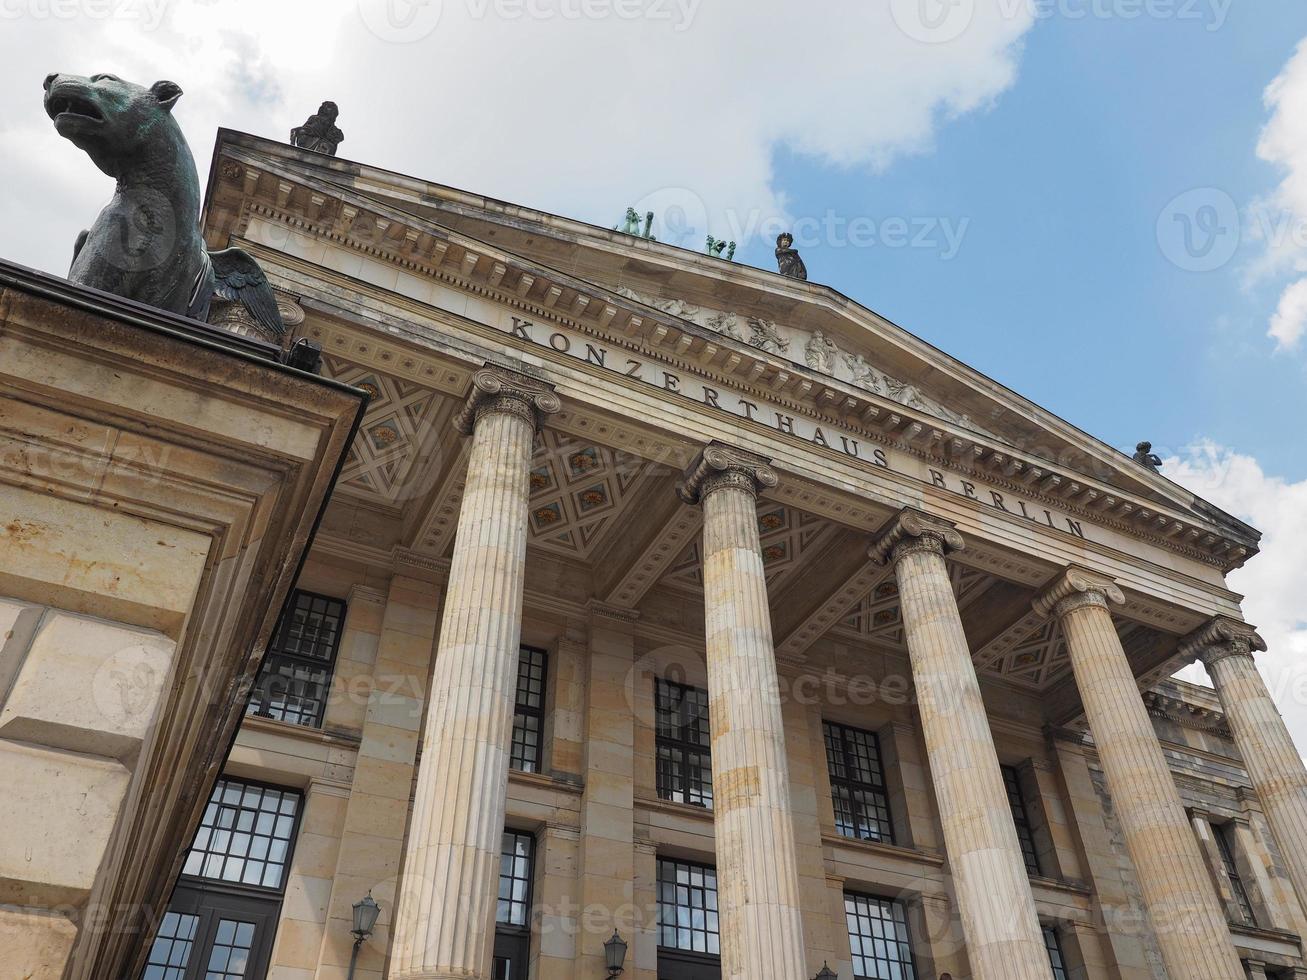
(1060, 288)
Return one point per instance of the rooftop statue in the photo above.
(319, 132)
(1145, 456)
(631, 225)
(787, 257)
(146, 244)
(718, 245)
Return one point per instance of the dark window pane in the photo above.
(171, 950)
(516, 858)
(684, 739)
(1055, 958)
(295, 677)
(857, 783)
(257, 855)
(529, 710)
(687, 907)
(1021, 817)
(1225, 844)
(878, 938)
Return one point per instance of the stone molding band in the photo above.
(1075, 589)
(719, 467)
(497, 390)
(1220, 638)
(912, 531)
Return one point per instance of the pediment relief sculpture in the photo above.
(820, 353)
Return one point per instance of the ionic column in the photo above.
(1187, 918)
(998, 914)
(444, 926)
(757, 875)
(1226, 648)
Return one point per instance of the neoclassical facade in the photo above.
(666, 596)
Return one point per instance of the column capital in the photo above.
(497, 390)
(1076, 588)
(1222, 637)
(912, 530)
(719, 466)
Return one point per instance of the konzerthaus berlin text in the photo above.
(668, 602)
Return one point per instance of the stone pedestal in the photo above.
(1226, 648)
(758, 881)
(444, 926)
(999, 921)
(1176, 886)
(159, 486)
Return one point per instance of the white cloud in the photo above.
(1280, 220)
(1290, 319)
(1273, 580)
(579, 116)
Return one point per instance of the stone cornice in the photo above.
(1185, 714)
(497, 390)
(911, 529)
(375, 228)
(720, 466)
(1074, 588)
(1222, 637)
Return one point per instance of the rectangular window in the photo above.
(684, 741)
(1056, 959)
(687, 907)
(1021, 817)
(513, 914)
(295, 677)
(529, 711)
(878, 938)
(222, 916)
(1224, 835)
(857, 783)
(516, 857)
(245, 835)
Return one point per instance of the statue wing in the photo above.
(237, 277)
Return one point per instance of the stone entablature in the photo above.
(370, 227)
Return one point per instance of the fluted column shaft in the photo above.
(1273, 761)
(445, 922)
(990, 881)
(1186, 915)
(757, 870)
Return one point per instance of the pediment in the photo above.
(802, 344)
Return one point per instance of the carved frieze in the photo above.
(820, 352)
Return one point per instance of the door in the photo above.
(512, 953)
(208, 934)
(687, 966)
